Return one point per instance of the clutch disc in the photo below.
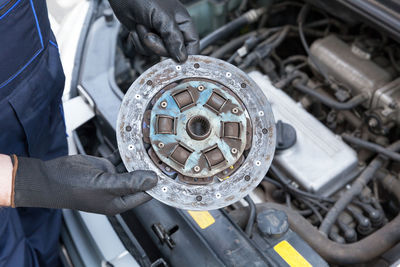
(204, 127)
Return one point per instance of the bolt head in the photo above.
(372, 122)
(164, 104)
(161, 145)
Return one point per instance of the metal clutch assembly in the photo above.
(204, 127)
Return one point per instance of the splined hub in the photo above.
(200, 129)
(204, 127)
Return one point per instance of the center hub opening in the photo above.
(198, 127)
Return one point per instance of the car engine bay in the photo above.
(332, 78)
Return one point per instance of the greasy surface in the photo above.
(212, 153)
(174, 192)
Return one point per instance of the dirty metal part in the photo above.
(316, 149)
(361, 75)
(205, 126)
(386, 101)
(191, 124)
(165, 236)
(336, 58)
(198, 127)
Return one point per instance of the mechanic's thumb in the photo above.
(123, 184)
(139, 180)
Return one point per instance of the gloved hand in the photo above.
(78, 182)
(161, 27)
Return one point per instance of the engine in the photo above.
(331, 74)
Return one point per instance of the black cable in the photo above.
(286, 182)
(250, 223)
(300, 20)
(350, 104)
(354, 190)
(294, 58)
(281, 36)
(233, 44)
(227, 29)
(306, 212)
(371, 146)
(240, 41)
(314, 210)
(261, 34)
(307, 198)
(265, 48)
(232, 57)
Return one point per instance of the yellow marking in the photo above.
(227, 177)
(231, 167)
(291, 255)
(203, 218)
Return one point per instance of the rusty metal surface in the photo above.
(132, 123)
(206, 126)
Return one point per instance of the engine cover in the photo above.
(204, 127)
(319, 160)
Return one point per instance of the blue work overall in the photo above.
(31, 124)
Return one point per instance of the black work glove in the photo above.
(161, 27)
(78, 182)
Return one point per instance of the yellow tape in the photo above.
(290, 255)
(203, 218)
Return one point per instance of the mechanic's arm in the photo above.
(162, 27)
(73, 182)
(5, 180)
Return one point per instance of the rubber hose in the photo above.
(252, 207)
(371, 146)
(235, 43)
(362, 251)
(392, 184)
(355, 190)
(287, 182)
(224, 31)
(232, 45)
(352, 103)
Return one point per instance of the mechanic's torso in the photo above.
(31, 80)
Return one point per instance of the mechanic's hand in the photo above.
(161, 27)
(78, 182)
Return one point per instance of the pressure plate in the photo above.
(204, 127)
